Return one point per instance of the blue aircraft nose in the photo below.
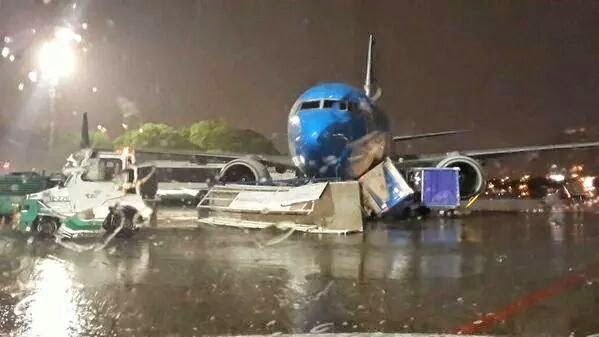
(328, 131)
(322, 141)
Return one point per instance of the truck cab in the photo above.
(99, 193)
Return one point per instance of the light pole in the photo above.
(56, 60)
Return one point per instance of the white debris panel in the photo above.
(332, 207)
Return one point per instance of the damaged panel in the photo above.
(384, 188)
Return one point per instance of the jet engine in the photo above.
(246, 169)
(472, 175)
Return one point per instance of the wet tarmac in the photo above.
(504, 274)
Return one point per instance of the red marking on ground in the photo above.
(554, 289)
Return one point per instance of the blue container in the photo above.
(441, 187)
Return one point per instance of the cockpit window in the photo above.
(310, 105)
(328, 104)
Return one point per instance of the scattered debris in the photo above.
(323, 292)
(279, 239)
(321, 328)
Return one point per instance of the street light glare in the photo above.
(32, 75)
(56, 60)
(66, 35)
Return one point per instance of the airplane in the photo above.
(336, 131)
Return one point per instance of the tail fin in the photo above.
(368, 81)
(85, 143)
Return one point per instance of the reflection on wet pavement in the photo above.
(433, 276)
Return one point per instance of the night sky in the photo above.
(515, 73)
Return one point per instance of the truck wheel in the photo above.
(112, 221)
(46, 226)
(125, 216)
(131, 217)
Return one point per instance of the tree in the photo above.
(153, 135)
(207, 136)
(216, 135)
(250, 141)
(100, 140)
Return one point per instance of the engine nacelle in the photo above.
(472, 175)
(244, 170)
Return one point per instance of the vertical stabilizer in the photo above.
(85, 143)
(370, 88)
(368, 79)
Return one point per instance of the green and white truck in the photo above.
(100, 194)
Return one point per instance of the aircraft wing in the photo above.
(494, 153)
(499, 152)
(427, 135)
(275, 160)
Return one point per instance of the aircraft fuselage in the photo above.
(335, 130)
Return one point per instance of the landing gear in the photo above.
(450, 213)
(422, 211)
(415, 212)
